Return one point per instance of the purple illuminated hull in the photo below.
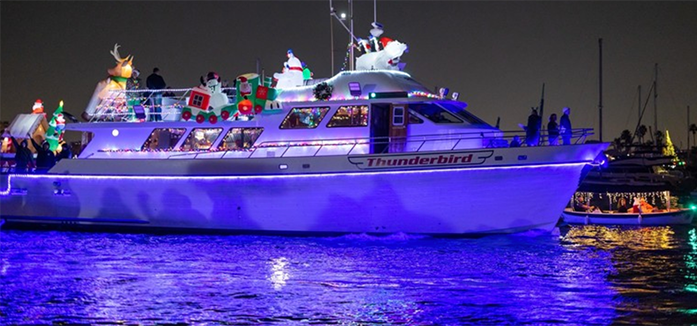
(497, 198)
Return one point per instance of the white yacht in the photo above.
(363, 151)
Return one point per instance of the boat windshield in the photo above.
(460, 111)
(434, 113)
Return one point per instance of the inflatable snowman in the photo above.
(292, 74)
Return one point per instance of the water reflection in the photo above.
(279, 273)
(653, 270)
(592, 276)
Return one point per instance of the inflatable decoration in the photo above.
(38, 108)
(323, 91)
(54, 134)
(207, 102)
(307, 73)
(109, 101)
(387, 59)
(374, 43)
(254, 98)
(292, 74)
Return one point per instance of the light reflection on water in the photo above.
(591, 275)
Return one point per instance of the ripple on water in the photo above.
(590, 275)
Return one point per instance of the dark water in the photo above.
(591, 275)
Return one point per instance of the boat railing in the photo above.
(378, 145)
(137, 105)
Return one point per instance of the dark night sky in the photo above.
(496, 54)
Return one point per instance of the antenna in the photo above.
(600, 89)
(375, 10)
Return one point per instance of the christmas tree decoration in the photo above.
(54, 134)
(669, 149)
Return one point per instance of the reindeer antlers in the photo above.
(117, 56)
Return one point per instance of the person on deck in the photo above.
(24, 158)
(553, 130)
(565, 127)
(65, 152)
(515, 142)
(532, 132)
(155, 81)
(45, 158)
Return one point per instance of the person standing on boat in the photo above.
(155, 81)
(24, 158)
(65, 152)
(553, 130)
(532, 132)
(515, 142)
(565, 127)
(45, 158)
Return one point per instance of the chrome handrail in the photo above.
(579, 135)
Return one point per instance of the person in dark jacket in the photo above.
(155, 81)
(565, 127)
(24, 158)
(532, 132)
(553, 130)
(45, 158)
(65, 152)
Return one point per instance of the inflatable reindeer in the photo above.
(108, 98)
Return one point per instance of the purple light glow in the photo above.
(280, 176)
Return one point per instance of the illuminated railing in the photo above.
(379, 145)
(157, 104)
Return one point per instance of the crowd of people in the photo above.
(555, 130)
(640, 205)
(24, 161)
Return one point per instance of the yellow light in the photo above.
(61, 104)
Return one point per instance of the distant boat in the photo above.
(679, 216)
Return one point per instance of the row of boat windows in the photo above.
(201, 139)
(165, 139)
(357, 116)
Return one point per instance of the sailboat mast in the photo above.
(639, 102)
(600, 88)
(655, 99)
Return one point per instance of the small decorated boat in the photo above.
(613, 209)
(675, 216)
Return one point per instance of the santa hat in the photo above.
(243, 79)
(38, 104)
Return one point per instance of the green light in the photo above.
(693, 207)
(372, 95)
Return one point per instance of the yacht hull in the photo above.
(456, 200)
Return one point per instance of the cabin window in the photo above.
(434, 113)
(398, 116)
(201, 139)
(350, 116)
(413, 119)
(463, 114)
(163, 139)
(240, 138)
(304, 118)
